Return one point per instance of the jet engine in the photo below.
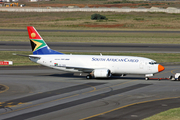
(101, 73)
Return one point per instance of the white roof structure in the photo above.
(33, 0)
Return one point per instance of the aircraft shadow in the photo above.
(68, 75)
(71, 75)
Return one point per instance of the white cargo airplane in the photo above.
(97, 66)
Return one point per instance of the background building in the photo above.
(9, 0)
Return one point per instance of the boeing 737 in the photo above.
(95, 66)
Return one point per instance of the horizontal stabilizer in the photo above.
(32, 56)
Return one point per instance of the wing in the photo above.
(85, 70)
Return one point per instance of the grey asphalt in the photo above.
(95, 47)
(40, 93)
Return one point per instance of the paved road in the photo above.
(95, 47)
(39, 93)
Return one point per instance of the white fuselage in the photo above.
(116, 64)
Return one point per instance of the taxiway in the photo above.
(95, 47)
(40, 93)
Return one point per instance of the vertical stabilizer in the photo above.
(39, 46)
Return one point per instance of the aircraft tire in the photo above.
(88, 77)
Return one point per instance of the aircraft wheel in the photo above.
(179, 78)
(88, 77)
(146, 78)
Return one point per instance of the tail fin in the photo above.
(39, 46)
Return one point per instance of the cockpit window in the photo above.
(152, 62)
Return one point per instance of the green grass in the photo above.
(140, 19)
(172, 114)
(76, 20)
(96, 37)
(17, 60)
(22, 61)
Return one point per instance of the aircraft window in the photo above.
(152, 63)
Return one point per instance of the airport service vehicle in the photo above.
(175, 77)
(97, 66)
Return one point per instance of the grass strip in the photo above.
(82, 20)
(172, 114)
(172, 58)
(93, 37)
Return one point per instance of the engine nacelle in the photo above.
(101, 73)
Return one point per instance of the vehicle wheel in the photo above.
(146, 78)
(170, 77)
(173, 79)
(88, 77)
(179, 78)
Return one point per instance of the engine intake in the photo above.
(101, 73)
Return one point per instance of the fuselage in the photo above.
(116, 64)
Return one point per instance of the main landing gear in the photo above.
(88, 77)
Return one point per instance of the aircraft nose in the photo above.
(160, 68)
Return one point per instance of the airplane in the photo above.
(95, 66)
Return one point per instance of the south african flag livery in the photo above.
(39, 47)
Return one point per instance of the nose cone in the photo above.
(160, 68)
